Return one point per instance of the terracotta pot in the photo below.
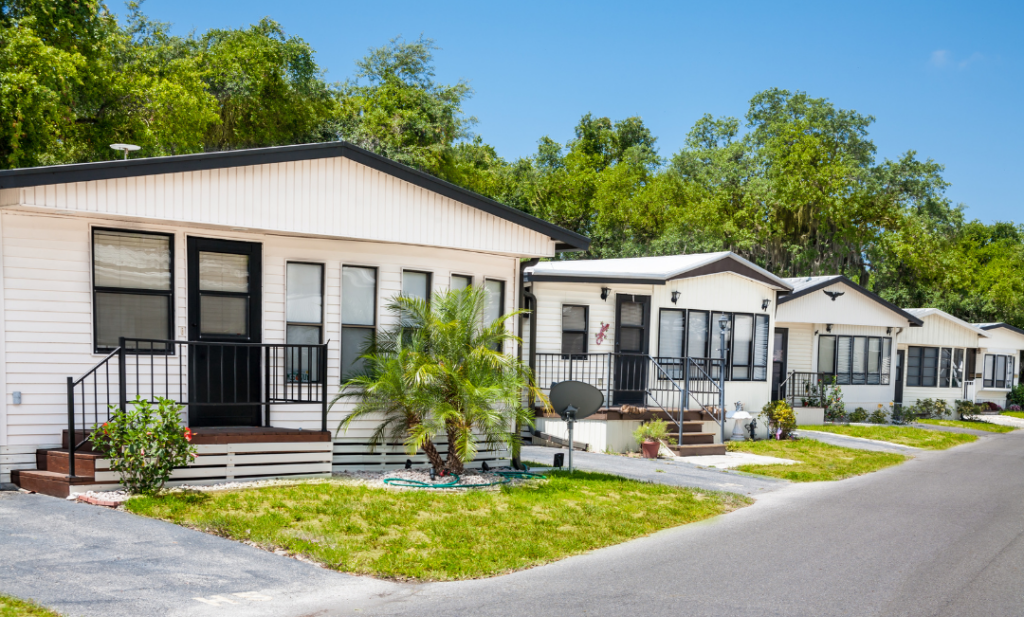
(650, 449)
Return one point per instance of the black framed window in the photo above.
(575, 326)
(922, 367)
(133, 290)
(957, 375)
(304, 309)
(494, 302)
(945, 366)
(856, 360)
(460, 282)
(358, 316)
(760, 359)
(742, 346)
(998, 371)
(696, 334)
(671, 333)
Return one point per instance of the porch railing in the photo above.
(193, 373)
(671, 384)
(806, 389)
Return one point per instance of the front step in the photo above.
(698, 449)
(696, 438)
(47, 482)
(57, 461)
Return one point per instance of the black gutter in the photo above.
(1002, 325)
(84, 172)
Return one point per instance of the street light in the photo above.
(723, 325)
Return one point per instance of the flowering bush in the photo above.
(878, 416)
(993, 406)
(145, 443)
(780, 418)
(1013, 408)
(832, 401)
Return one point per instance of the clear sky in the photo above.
(942, 78)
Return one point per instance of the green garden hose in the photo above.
(506, 477)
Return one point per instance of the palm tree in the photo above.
(442, 370)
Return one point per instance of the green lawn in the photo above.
(903, 435)
(818, 461)
(13, 607)
(978, 426)
(427, 535)
(1014, 414)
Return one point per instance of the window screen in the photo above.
(671, 332)
(827, 355)
(697, 334)
(743, 338)
(305, 315)
(494, 298)
(945, 366)
(761, 323)
(132, 290)
(461, 281)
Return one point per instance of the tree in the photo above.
(441, 370)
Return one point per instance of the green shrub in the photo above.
(931, 408)
(655, 430)
(145, 443)
(1016, 396)
(967, 410)
(778, 415)
(878, 416)
(859, 415)
(902, 414)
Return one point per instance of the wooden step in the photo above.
(47, 482)
(698, 438)
(698, 449)
(80, 435)
(57, 460)
(693, 427)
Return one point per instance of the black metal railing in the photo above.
(806, 389)
(672, 385)
(196, 373)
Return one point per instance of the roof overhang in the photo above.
(914, 321)
(565, 239)
(993, 326)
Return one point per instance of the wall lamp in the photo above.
(828, 327)
(765, 303)
(604, 292)
(675, 297)
(888, 330)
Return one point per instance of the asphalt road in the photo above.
(941, 535)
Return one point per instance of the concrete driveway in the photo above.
(939, 535)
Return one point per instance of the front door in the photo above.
(779, 363)
(632, 324)
(898, 395)
(224, 310)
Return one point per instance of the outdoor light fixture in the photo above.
(675, 297)
(888, 330)
(126, 148)
(723, 323)
(604, 292)
(765, 303)
(828, 327)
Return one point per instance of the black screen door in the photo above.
(779, 353)
(224, 309)
(898, 394)
(632, 323)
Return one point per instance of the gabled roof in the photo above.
(1000, 324)
(803, 286)
(83, 172)
(651, 270)
(927, 312)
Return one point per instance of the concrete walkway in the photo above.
(660, 471)
(953, 429)
(1004, 420)
(858, 443)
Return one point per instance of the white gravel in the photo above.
(1003, 420)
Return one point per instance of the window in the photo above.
(132, 287)
(945, 366)
(742, 346)
(856, 360)
(358, 316)
(697, 334)
(922, 367)
(415, 285)
(574, 329)
(998, 371)
(684, 333)
(761, 323)
(715, 335)
(305, 318)
(494, 302)
(671, 333)
(958, 368)
(461, 281)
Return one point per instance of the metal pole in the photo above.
(721, 386)
(122, 377)
(323, 387)
(686, 397)
(571, 423)
(71, 428)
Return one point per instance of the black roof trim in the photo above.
(993, 326)
(914, 321)
(532, 277)
(83, 172)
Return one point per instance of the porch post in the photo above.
(71, 428)
(122, 376)
(323, 387)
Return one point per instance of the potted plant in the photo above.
(649, 436)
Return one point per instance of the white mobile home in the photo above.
(829, 328)
(1000, 357)
(939, 359)
(647, 331)
(240, 283)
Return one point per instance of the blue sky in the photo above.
(942, 78)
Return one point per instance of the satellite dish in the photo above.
(583, 399)
(126, 148)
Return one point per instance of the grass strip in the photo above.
(979, 425)
(429, 535)
(13, 607)
(817, 461)
(902, 435)
(1014, 414)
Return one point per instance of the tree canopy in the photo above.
(796, 185)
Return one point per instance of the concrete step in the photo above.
(698, 449)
